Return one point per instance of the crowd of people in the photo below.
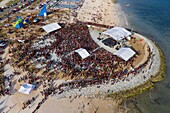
(67, 40)
(105, 76)
(56, 51)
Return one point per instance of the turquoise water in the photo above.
(151, 18)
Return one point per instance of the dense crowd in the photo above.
(67, 40)
(56, 51)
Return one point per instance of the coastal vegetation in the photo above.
(132, 92)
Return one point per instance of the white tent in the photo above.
(26, 88)
(51, 27)
(117, 33)
(125, 53)
(2, 44)
(83, 53)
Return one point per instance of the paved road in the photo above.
(8, 9)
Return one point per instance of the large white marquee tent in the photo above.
(26, 88)
(51, 27)
(125, 53)
(83, 53)
(117, 33)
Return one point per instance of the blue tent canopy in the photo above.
(19, 25)
(43, 11)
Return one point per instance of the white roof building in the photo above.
(26, 88)
(117, 33)
(125, 53)
(51, 27)
(83, 53)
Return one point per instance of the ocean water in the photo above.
(152, 19)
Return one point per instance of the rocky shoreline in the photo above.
(159, 76)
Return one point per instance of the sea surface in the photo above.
(152, 19)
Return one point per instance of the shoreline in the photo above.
(125, 95)
(98, 13)
(147, 85)
(123, 16)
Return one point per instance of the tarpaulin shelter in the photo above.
(43, 11)
(118, 33)
(19, 23)
(26, 88)
(51, 27)
(83, 53)
(125, 53)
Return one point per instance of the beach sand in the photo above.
(102, 12)
(81, 105)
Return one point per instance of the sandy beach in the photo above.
(81, 105)
(102, 12)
